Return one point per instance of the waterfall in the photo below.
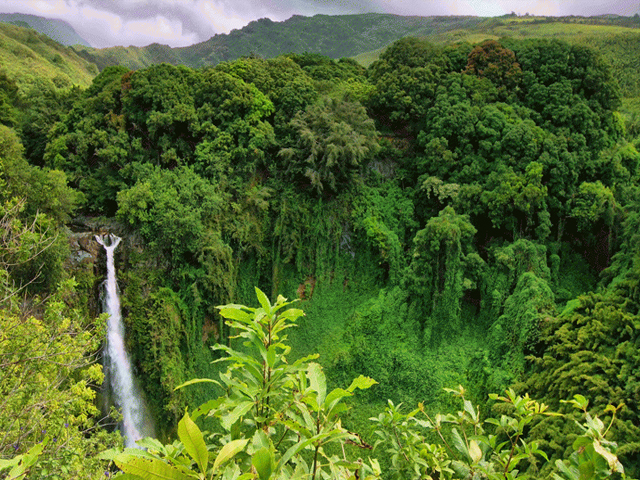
(126, 394)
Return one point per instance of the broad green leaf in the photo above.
(293, 450)
(581, 442)
(236, 314)
(318, 381)
(150, 469)
(580, 401)
(362, 383)
(229, 451)
(264, 301)
(263, 462)
(570, 472)
(459, 444)
(291, 314)
(104, 455)
(193, 441)
(271, 356)
(260, 440)
(335, 395)
(241, 409)
(468, 407)
(337, 410)
(474, 451)
(587, 470)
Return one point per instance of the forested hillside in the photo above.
(34, 60)
(462, 214)
(335, 36)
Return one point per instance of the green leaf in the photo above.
(318, 381)
(362, 383)
(459, 444)
(587, 470)
(271, 356)
(580, 402)
(336, 395)
(194, 381)
(468, 407)
(291, 314)
(229, 451)
(193, 441)
(110, 455)
(474, 451)
(570, 473)
(148, 469)
(236, 314)
(264, 301)
(581, 442)
(229, 419)
(262, 460)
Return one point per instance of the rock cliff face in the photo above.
(84, 249)
(86, 261)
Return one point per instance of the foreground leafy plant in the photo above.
(277, 421)
(594, 456)
(493, 449)
(277, 418)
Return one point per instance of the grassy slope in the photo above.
(29, 58)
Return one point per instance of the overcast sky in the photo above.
(105, 23)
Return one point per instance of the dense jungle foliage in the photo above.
(451, 215)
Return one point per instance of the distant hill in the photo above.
(31, 58)
(58, 30)
(333, 36)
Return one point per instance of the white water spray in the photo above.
(135, 420)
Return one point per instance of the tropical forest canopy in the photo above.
(450, 215)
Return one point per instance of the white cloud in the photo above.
(220, 17)
(158, 29)
(111, 21)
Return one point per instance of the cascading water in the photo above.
(135, 420)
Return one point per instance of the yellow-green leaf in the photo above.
(264, 301)
(193, 441)
(474, 451)
(318, 381)
(150, 469)
(362, 383)
(263, 462)
(229, 451)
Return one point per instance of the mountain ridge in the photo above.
(335, 36)
(58, 30)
